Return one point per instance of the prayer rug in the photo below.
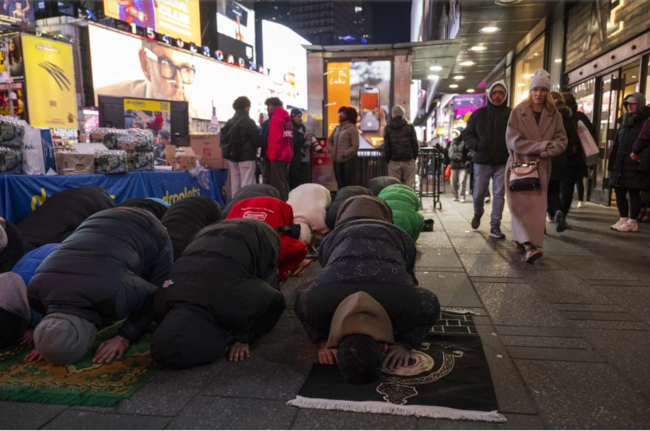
(447, 377)
(83, 383)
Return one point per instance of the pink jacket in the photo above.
(280, 141)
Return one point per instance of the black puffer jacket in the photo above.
(155, 208)
(377, 184)
(250, 138)
(222, 272)
(485, 134)
(106, 270)
(61, 214)
(14, 250)
(341, 196)
(400, 141)
(625, 172)
(458, 154)
(559, 162)
(186, 218)
(252, 191)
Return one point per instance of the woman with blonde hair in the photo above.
(535, 134)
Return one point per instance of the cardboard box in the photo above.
(207, 146)
(73, 163)
(180, 162)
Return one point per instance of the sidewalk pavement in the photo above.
(567, 340)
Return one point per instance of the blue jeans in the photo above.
(482, 175)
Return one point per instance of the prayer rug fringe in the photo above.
(397, 409)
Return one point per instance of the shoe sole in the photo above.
(534, 257)
(498, 236)
(560, 226)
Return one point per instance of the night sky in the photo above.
(392, 15)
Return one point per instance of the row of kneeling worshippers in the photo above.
(213, 284)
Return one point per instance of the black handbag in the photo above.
(525, 176)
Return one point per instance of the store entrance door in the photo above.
(609, 84)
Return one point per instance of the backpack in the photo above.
(230, 141)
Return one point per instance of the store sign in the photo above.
(594, 26)
(49, 77)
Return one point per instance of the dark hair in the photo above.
(570, 99)
(10, 324)
(242, 102)
(164, 134)
(273, 101)
(360, 358)
(350, 113)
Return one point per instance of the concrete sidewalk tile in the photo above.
(618, 283)
(517, 304)
(515, 280)
(554, 354)
(437, 258)
(536, 331)
(573, 395)
(15, 415)
(594, 269)
(435, 239)
(564, 287)
(234, 413)
(75, 419)
(599, 315)
(634, 298)
(311, 419)
(472, 245)
(452, 289)
(558, 343)
(607, 324)
(487, 265)
(517, 261)
(515, 422)
(590, 307)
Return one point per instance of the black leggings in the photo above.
(580, 185)
(553, 202)
(633, 208)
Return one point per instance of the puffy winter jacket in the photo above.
(400, 141)
(341, 196)
(186, 217)
(625, 172)
(276, 214)
(14, 250)
(252, 191)
(559, 162)
(250, 138)
(405, 205)
(280, 141)
(106, 271)
(155, 208)
(458, 154)
(61, 214)
(30, 262)
(377, 184)
(343, 143)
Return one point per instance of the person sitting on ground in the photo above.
(405, 205)
(11, 245)
(341, 196)
(377, 184)
(186, 218)
(365, 309)
(152, 205)
(309, 203)
(252, 191)
(278, 215)
(61, 214)
(216, 295)
(106, 271)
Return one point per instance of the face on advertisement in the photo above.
(170, 72)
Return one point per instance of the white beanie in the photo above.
(541, 78)
(398, 111)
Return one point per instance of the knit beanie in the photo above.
(398, 111)
(295, 111)
(541, 78)
(63, 339)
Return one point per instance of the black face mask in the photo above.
(292, 231)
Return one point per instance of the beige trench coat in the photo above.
(528, 141)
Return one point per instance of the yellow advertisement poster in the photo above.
(49, 76)
(179, 19)
(147, 105)
(338, 92)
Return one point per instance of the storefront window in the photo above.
(584, 94)
(631, 82)
(531, 59)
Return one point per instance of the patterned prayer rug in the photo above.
(448, 377)
(83, 383)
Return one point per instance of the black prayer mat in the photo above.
(448, 378)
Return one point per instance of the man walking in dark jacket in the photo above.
(248, 139)
(486, 136)
(301, 146)
(106, 271)
(401, 147)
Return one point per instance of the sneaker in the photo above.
(581, 204)
(455, 199)
(462, 200)
(495, 232)
(487, 200)
(549, 219)
(519, 247)
(560, 222)
(532, 254)
(476, 221)
(620, 221)
(628, 226)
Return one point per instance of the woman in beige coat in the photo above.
(535, 133)
(343, 145)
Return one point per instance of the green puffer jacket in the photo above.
(405, 205)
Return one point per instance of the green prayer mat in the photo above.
(84, 383)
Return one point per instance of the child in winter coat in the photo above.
(405, 205)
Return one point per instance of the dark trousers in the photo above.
(280, 178)
(573, 177)
(295, 174)
(268, 320)
(625, 209)
(580, 185)
(553, 201)
(345, 172)
(265, 170)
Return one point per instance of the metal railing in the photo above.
(429, 181)
(370, 164)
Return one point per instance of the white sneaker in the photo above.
(620, 221)
(580, 204)
(549, 219)
(487, 200)
(462, 200)
(628, 226)
(455, 199)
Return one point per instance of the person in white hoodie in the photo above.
(309, 203)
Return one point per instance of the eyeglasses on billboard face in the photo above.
(168, 69)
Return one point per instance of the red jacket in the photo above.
(275, 213)
(280, 141)
(156, 125)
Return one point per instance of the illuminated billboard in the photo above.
(180, 19)
(236, 29)
(17, 13)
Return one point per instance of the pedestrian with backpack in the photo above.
(240, 139)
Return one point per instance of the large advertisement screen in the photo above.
(17, 13)
(179, 19)
(129, 66)
(365, 86)
(285, 59)
(49, 76)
